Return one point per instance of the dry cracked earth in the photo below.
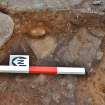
(54, 33)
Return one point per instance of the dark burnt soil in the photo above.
(89, 90)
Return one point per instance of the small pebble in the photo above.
(38, 32)
(99, 55)
(97, 2)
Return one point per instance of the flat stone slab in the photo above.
(82, 50)
(40, 4)
(91, 6)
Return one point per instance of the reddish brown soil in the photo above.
(92, 85)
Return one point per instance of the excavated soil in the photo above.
(48, 89)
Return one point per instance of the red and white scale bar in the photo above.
(42, 70)
(18, 60)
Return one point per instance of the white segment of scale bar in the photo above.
(14, 69)
(71, 70)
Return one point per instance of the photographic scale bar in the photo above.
(42, 70)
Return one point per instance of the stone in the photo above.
(43, 47)
(72, 2)
(97, 32)
(56, 97)
(62, 4)
(97, 2)
(95, 6)
(6, 28)
(38, 32)
(24, 5)
(99, 55)
(4, 2)
(81, 50)
(21, 5)
(41, 80)
(3, 86)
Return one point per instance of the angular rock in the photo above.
(98, 5)
(43, 47)
(97, 32)
(97, 2)
(87, 6)
(99, 55)
(81, 50)
(6, 28)
(94, 6)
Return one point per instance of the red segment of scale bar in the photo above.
(42, 70)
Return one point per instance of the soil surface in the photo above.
(56, 38)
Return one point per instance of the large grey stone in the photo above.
(6, 28)
(21, 5)
(87, 6)
(81, 50)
